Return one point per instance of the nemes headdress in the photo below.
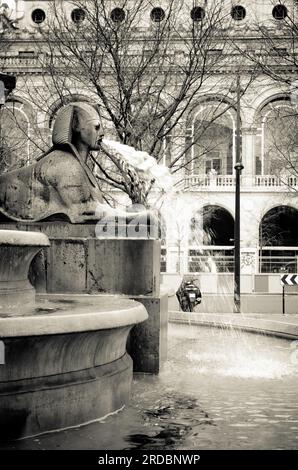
(62, 132)
(63, 126)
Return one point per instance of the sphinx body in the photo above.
(55, 185)
(59, 183)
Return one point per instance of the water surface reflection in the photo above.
(218, 390)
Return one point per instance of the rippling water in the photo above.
(218, 390)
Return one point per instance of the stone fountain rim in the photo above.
(105, 312)
(23, 238)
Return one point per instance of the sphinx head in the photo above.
(78, 124)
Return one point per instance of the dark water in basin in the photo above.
(218, 390)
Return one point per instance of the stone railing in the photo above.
(227, 182)
(194, 182)
(275, 181)
(35, 61)
(20, 62)
(200, 182)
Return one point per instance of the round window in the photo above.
(78, 15)
(279, 12)
(38, 16)
(157, 14)
(118, 15)
(238, 13)
(197, 14)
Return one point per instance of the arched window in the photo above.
(14, 136)
(212, 135)
(279, 227)
(276, 144)
(211, 240)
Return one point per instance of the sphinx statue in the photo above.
(59, 183)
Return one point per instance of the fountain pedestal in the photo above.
(65, 360)
(78, 262)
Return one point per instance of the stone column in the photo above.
(248, 159)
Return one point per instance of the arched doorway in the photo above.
(218, 226)
(278, 237)
(213, 226)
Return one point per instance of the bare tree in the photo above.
(274, 50)
(146, 78)
(5, 156)
(282, 145)
(279, 145)
(7, 30)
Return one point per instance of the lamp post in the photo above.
(238, 168)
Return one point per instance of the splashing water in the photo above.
(240, 366)
(241, 357)
(143, 162)
(175, 207)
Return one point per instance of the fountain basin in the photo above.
(65, 362)
(281, 326)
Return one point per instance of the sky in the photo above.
(10, 3)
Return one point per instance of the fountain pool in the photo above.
(219, 389)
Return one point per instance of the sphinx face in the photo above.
(89, 129)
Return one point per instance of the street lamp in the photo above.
(238, 168)
(237, 294)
